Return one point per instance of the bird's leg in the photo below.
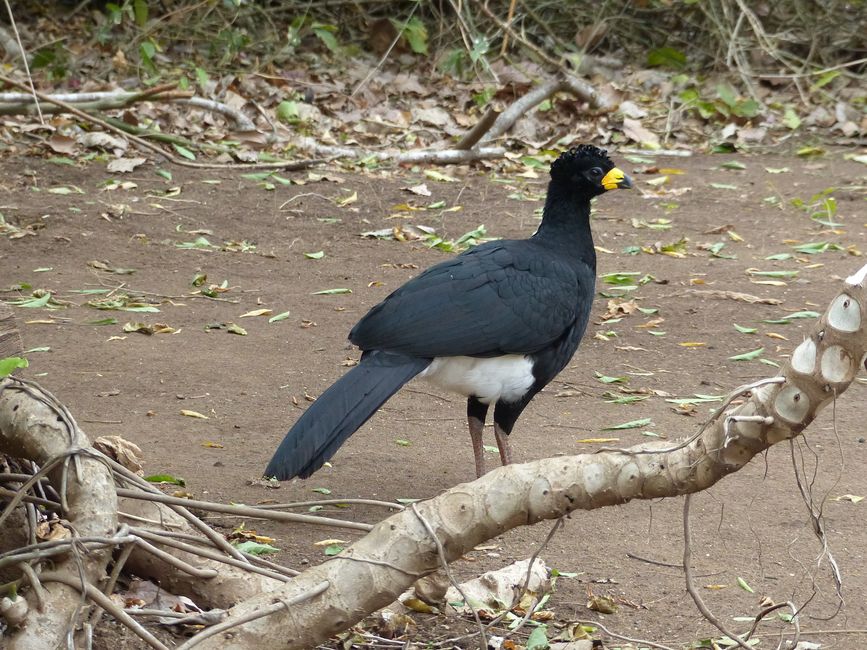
(505, 416)
(476, 412)
(503, 444)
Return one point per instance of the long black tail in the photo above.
(340, 411)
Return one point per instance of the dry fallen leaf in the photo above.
(123, 451)
(124, 165)
(634, 130)
(193, 414)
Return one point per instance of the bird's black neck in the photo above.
(566, 224)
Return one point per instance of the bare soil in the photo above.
(753, 526)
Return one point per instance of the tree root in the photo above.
(267, 607)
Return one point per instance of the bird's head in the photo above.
(588, 169)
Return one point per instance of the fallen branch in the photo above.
(34, 425)
(376, 569)
(141, 142)
(432, 156)
(495, 123)
(24, 104)
(472, 137)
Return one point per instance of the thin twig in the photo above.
(483, 641)
(207, 554)
(252, 616)
(638, 642)
(24, 60)
(246, 511)
(106, 603)
(690, 585)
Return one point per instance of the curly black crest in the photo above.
(584, 155)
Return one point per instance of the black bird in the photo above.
(496, 324)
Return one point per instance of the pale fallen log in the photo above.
(432, 156)
(398, 551)
(43, 431)
(25, 104)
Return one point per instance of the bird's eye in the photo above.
(596, 172)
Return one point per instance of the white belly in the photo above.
(504, 378)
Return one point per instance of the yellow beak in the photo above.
(616, 179)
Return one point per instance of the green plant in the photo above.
(821, 207)
(726, 105)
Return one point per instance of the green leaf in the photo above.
(331, 292)
(147, 50)
(36, 302)
(745, 330)
(415, 33)
(325, 33)
(61, 160)
(633, 424)
(621, 278)
(64, 190)
(791, 119)
(814, 248)
(808, 151)
(186, 153)
(723, 186)
(773, 274)
(321, 490)
(666, 57)
(333, 549)
(780, 256)
(256, 548)
(287, 112)
(826, 78)
(788, 318)
(165, 173)
(166, 478)
(103, 321)
(727, 94)
(9, 364)
(318, 255)
(605, 379)
(748, 356)
(747, 108)
(733, 164)
(232, 328)
(723, 147)
(556, 573)
(278, 317)
(403, 443)
(743, 585)
(202, 78)
(538, 639)
(140, 11)
(200, 242)
(615, 398)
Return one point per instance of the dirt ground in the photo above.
(754, 526)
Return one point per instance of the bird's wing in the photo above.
(507, 297)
